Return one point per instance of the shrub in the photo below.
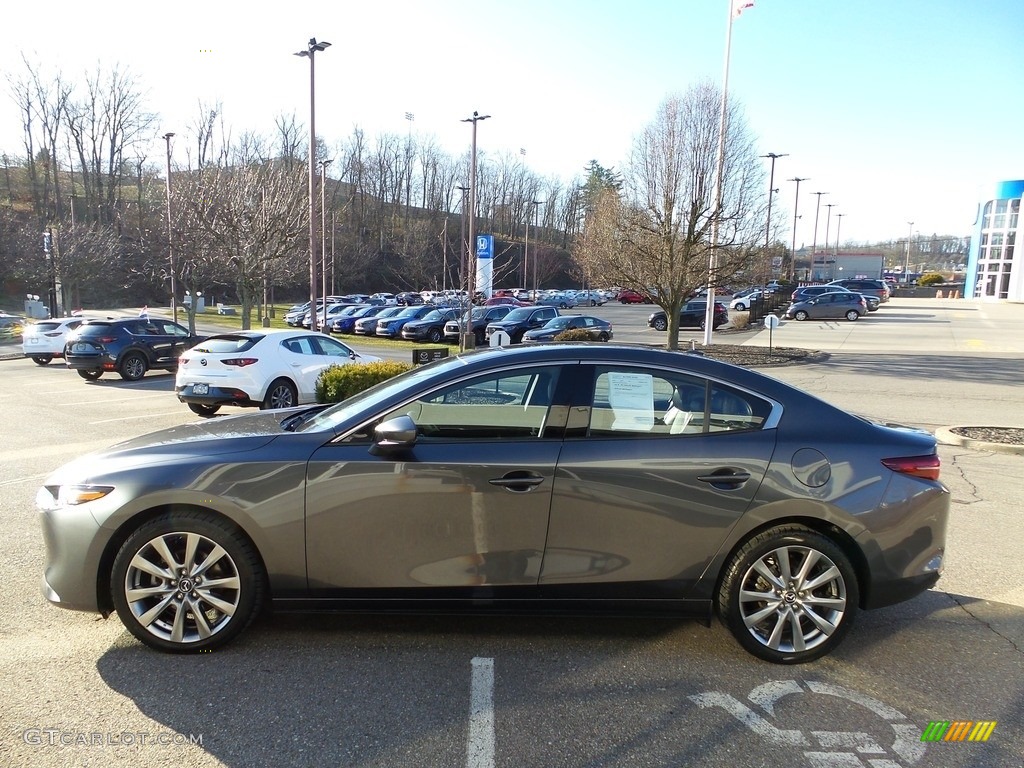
(342, 381)
(740, 320)
(573, 334)
(932, 278)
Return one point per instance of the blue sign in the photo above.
(485, 246)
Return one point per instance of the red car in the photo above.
(629, 296)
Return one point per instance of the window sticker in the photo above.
(631, 396)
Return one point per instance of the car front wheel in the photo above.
(740, 308)
(90, 374)
(801, 315)
(187, 582)
(133, 367)
(42, 359)
(280, 394)
(789, 595)
(661, 324)
(852, 315)
(435, 336)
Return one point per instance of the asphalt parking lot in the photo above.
(441, 691)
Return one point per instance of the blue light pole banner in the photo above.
(484, 264)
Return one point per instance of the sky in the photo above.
(899, 110)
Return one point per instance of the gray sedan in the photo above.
(835, 305)
(565, 477)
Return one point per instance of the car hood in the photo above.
(210, 437)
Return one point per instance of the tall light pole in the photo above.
(828, 222)
(535, 203)
(817, 210)
(464, 268)
(323, 229)
(839, 222)
(470, 340)
(906, 261)
(311, 50)
(796, 207)
(170, 234)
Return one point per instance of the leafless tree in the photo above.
(656, 234)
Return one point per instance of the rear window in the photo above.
(43, 326)
(98, 329)
(228, 344)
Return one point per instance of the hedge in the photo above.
(342, 381)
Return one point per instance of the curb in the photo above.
(946, 436)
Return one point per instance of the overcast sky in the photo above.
(901, 110)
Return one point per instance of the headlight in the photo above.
(55, 496)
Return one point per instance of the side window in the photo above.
(513, 404)
(332, 348)
(641, 402)
(299, 346)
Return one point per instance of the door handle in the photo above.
(725, 477)
(519, 482)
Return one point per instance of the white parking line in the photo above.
(149, 415)
(480, 747)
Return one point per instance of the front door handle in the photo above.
(518, 482)
(725, 477)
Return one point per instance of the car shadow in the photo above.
(379, 690)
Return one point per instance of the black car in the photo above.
(430, 327)
(130, 346)
(520, 320)
(596, 328)
(481, 317)
(692, 315)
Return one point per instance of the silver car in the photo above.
(565, 477)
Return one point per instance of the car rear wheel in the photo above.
(602, 336)
(202, 409)
(661, 323)
(133, 367)
(187, 582)
(852, 315)
(91, 374)
(280, 394)
(789, 595)
(801, 315)
(42, 359)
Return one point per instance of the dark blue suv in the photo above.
(130, 346)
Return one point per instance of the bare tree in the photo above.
(655, 235)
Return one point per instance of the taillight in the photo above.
(918, 466)
(241, 362)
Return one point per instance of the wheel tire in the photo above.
(218, 550)
(436, 335)
(623, 301)
(741, 308)
(704, 324)
(853, 315)
(593, 303)
(479, 338)
(42, 359)
(517, 338)
(602, 336)
(786, 635)
(202, 409)
(801, 315)
(133, 367)
(91, 374)
(661, 324)
(280, 394)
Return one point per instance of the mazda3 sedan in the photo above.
(556, 477)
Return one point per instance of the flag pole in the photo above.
(709, 316)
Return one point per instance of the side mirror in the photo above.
(394, 435)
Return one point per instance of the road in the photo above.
(480, 692)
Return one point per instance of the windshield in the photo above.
(558, 322)
(518, 314)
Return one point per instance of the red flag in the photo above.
(739, 6)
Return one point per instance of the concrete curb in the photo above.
(946, 436)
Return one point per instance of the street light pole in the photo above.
(323, 230)
(817, 210)
(470, 340)
(839, 222)
(464, 269)
(311, 50)
(828, 222)
(906, 261)
(170, 237)
(535, 203)
(796, 207)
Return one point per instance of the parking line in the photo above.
(140, 416)
(480, 747)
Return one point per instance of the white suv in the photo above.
(44, 340)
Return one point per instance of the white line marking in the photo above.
(480, 747)
(140, 416)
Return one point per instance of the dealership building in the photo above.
(992, 272)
